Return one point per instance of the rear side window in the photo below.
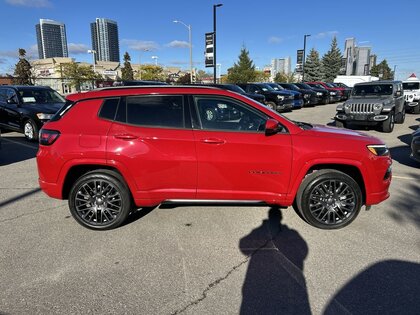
(109, 108)
(156, 111)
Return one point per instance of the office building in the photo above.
(280, 65)
(358, 60)
(105, 41)
(52, 40)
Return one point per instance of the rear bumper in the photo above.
(51, 189)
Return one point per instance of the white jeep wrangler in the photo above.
(411, 88)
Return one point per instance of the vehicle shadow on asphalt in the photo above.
(407, 209)
(137, 215)
(274, 282)
(16, 149)
(402, 153)
(387, 287)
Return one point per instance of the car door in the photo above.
(399, 99)
(12, 109)
(3, 102)
(236, 160)
(152, 140)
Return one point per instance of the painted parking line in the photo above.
(403, 177)
(19, 143)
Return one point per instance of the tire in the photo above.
(388, 125)
(30, 130)
(104, 209)
(271, 105)
(416, 109)
(400, 117)
(329, 199)
(340, 124)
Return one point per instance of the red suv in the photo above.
(112, 150)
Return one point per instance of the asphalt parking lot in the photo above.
(209, 260)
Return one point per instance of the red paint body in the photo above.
(160, 164)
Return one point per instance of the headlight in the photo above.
(43, 116)
(377, 106)
(333, 93)
(318, 93)
(280, 97)
(347, 106)
(378, 149)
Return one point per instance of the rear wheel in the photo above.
(99, 200)
(400, 117)
(329, 199)
(30, 130)
(388, 125)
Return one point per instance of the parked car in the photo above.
(309, 96)
(26, 108)
(297, 96)
(346, 91)
(415, 145)
(278, 100)
(412, 94)
(233, 87)
(335, 94)
(322, 95)
(374, 103)
(111, 150)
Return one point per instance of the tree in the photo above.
(261, 76)
(77, 73)
(152, 72)
(331, 62)
(244, 70)
(185, 79)
(22, 74)
(313, 67)
(382, 71)
(285, 78)
(127, 70)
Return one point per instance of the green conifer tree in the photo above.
(127, 70)
(22, 74)
(331, 62)
(244, 70)
(313, 67)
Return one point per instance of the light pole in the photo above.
(304, 56)
(214, 39)
(93, 52)
(219, 65)
(155, 58)
(144, 49)
(190, 44)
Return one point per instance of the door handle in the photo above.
(213, 141)
(125, 136)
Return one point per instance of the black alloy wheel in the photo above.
(329, 199)
(99, 200)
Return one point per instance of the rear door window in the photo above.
(156, 111)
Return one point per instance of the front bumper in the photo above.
(361, 118)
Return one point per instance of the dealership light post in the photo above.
(190, 44)
(304, 56)
(93, 52)
(155, 58)
(214, 40)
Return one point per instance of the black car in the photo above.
(322, 95)
(415, 145)
(277, 100)
(26, 108)
(233, 87)
(309, 96)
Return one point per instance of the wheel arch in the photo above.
(349, 169)
(76, 171)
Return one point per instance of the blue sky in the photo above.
(268, 29)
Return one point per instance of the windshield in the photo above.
(40, 96)
(235, 88)
(330, 85)
(411, 86)
(266, 87)
(319, 86)
(303, 86)
(276, 87)
(372, 89)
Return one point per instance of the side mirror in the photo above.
(11, 100)
(397, 93)
(271, 127)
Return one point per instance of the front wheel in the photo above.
(99, 200)
(388, 125)
(329, 199)
(30, 130)
(271, 105)
(416, 109)
(340, 124)
(400, 117)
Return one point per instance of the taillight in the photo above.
(48, 137)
